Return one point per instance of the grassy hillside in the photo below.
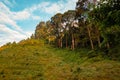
(34, 60)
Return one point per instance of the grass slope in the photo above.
(42, 62)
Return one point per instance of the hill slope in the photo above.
(42, 62)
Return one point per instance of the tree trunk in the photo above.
(108, 45)
(91, 42)
(66, 42)
(49, 40)
(73, 42)
(98, 37)
(60, 42)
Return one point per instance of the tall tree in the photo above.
(70, 26)
(107, 14)
(56, 21)
(68, 19)
(40, 32)
(82, 8)
(50, 32)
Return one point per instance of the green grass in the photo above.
(26, 61)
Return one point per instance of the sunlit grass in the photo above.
(38, 61)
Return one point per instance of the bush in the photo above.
(114, 53)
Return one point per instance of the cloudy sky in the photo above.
(18, 18)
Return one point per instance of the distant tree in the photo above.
(40, 32)
(56, 22)
(50, 32)
(32, 36)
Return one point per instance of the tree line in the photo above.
(93, 24)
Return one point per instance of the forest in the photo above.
(93, 25)
(80, 44)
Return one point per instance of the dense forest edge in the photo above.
(80, 44)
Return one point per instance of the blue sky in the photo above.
(18, 18)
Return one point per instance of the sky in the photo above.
(18, 18)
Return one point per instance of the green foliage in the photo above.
(30, 59)
(95, 26)
(114, 53)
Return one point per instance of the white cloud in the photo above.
(4, 8)
(7, 2)
(5, 19)
(22, 15)
(53, 8)
(9, 35)
(10, 18)
(36, 17)
(58, 7)
(38, 7)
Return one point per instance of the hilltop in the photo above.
(35, 60)
(80, 44)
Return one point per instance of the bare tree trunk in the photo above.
(108, 45)
(76, 41)
(60, 42)
(83, 44)
(66, 42)
(73, 42)
(91, 42)
(98, 37)
(49, 40)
